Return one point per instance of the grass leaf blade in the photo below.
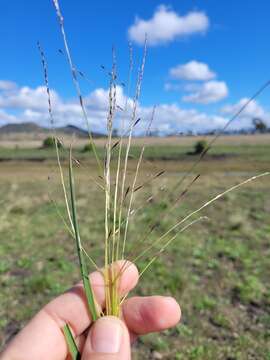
(84, 273)
(72, 347)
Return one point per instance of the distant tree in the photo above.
(199, 147)
(259, 125)
(49, 143)
(87, 148)
(152, 133)
(114, 133)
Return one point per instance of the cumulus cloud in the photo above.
(251, 111)
(20, 98)
(209, 92)
(193, 70)
(7, 85)
(30, 105)
(166, 25)
(169, 86)
(99, 98)
(170, 118)
(6, 118)
(25, 104)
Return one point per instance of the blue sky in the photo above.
(204, 59)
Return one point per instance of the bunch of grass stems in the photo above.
(118, 196)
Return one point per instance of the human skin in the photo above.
(108, 338)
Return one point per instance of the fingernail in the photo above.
(106, 335)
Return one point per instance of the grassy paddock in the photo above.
(219, 270)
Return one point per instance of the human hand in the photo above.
(108, 338)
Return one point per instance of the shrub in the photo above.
(200, 147)
(48, 143)
(87, 148)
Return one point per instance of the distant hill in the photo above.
(75, 130)
(34, 129)
(22, 128)
(72, 130)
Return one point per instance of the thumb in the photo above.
(108, 339)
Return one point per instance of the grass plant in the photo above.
(120, 190)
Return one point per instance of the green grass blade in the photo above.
(84, 273)
(72, 347)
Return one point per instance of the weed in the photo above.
(250, 290)
(205, 303)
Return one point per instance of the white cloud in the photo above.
(251, 111)
(166, 25)
(99, 98)
(30, 105)
(193, 70)
(168, 86)
(169, 118)
(7, 85)
(209, 92)
(20, 98)
(5, 117)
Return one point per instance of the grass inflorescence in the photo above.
(120, 189)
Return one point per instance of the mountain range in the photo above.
(34, 129)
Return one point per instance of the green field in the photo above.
(218, 270)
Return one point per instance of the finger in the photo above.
(43, 338)
(108, 339)
(71, 307)
(143, 315)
